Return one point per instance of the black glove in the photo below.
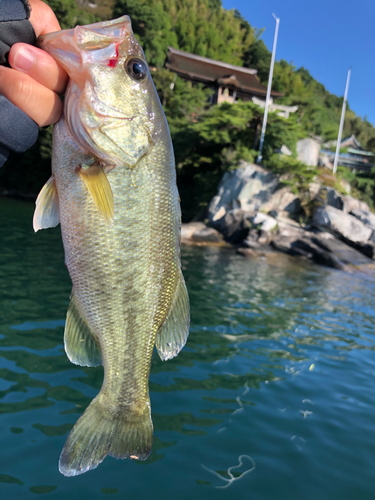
(18, 132)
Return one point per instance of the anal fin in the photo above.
(173, 333)
(100, 190)
(47, 206)
(80, 345)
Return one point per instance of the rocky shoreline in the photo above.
(255, 214)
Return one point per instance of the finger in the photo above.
(42, 105)
(39, 65)
(43, 18)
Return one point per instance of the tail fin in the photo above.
(98, 434)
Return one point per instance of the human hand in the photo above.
(35, 79)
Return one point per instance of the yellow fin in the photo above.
(81, 347)
(47, 206)
(100, 190)
(173, 333)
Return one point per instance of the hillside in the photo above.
(207, 141)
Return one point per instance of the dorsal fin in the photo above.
(46, 212)
(173, 333)
(100, 190)
(81, 346)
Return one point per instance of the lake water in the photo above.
(273, 396)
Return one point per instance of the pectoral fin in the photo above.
(80, 345)
(173, 333)
(100, 190)
(47, 206)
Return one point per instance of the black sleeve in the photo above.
(18, 132)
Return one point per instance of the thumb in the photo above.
(42, 18)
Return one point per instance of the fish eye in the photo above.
(136, 69)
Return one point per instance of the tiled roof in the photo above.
(208, 71)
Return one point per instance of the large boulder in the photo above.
(246, 188)
(342, 224)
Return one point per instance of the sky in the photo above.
(326, 37)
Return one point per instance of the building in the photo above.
(353, 156)
(229, 83)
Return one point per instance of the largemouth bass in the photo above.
(113, 189)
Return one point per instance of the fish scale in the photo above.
(118, 206)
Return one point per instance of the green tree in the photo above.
(202, 27)
(216, 142)
(259, 57)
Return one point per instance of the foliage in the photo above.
(210, 140)
(69, 14)
(183, 102)
(297, 175)
(259, 57)
(202, 27)
(216, 142)
(151, 24)
(362, 184)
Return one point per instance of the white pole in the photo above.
(341, 122)
(259, 159)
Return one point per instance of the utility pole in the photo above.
(341, 122)
(259, 159)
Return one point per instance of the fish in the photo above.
(113, 190)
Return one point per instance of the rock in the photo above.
(207, 235)
(321, 248)
(265, 237)
(246, 252)
(199, 233)
(187, 230)
(324, 161)
(345, 186)
(266, 222)
(289, 229)
(328, 196)
(219, 214)
(343, 252)
(250, 211)
(342, 224)
(250, 243)
(246, 188)
(351, 204)
(368, 218)
(314, 188)
(235, 225)
(283, 200)
(317, 254)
